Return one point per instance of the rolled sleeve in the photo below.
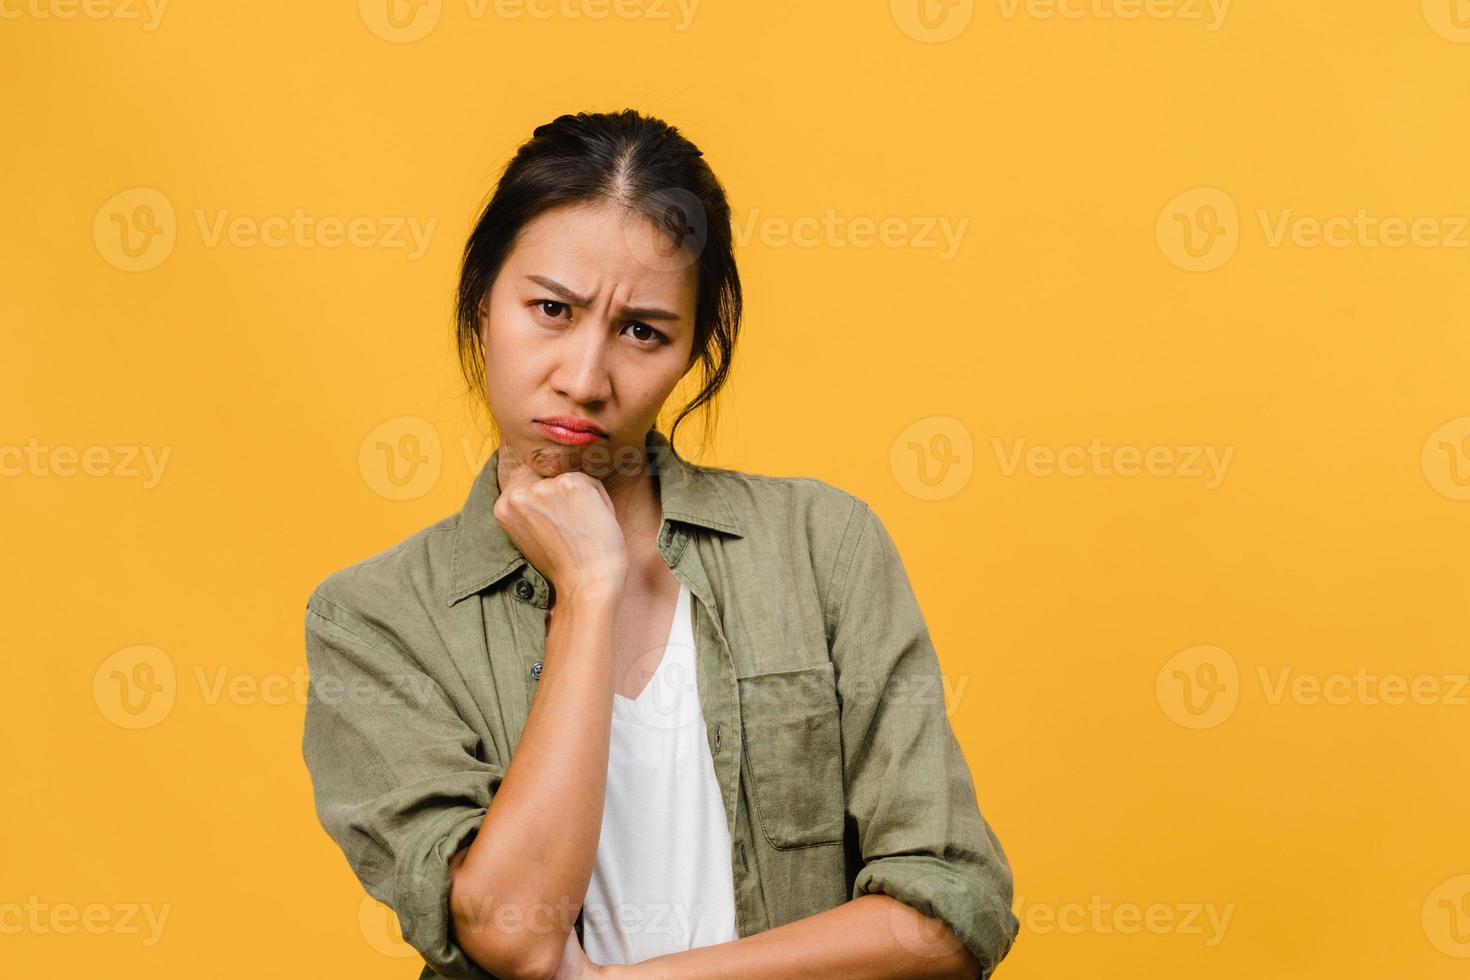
(909, 790)
(396, 778)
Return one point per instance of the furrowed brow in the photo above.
(640, 312)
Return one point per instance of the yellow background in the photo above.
(1076, 616)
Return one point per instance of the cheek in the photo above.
(655, 382)
(508, 336)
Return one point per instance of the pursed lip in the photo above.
(573, 422)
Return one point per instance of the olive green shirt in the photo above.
(818, 681)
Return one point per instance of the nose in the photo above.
(581, 375)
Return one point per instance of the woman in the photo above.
(624, 715)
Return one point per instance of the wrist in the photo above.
(593, 593)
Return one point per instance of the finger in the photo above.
(602, 491)
(513, 469)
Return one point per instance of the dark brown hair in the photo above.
(642, 164)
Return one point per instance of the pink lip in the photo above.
(570, 429)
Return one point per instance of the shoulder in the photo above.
(782, 504)
(404, 576)
(800, 522)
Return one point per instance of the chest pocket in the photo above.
(793, 750)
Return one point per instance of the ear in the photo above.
(482, 312)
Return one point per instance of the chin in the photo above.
(553, 460)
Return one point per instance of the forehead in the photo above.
(602, 245)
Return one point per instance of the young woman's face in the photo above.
(591, 316)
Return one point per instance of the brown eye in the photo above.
(543, 303)
(653, 335)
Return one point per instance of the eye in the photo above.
(655, 336)
(543, 303)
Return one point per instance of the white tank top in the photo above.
(662, 879)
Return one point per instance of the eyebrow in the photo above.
(642, 312)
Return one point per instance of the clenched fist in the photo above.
(564, 524)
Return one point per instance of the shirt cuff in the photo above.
(976, 905)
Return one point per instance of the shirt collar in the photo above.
(483, 553)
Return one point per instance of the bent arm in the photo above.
(872, 937)
(518, 887)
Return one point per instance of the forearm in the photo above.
(521, 881)
(872, 937)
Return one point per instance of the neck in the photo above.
(635, 500)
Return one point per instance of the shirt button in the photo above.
(525, 589)
(536, 670)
